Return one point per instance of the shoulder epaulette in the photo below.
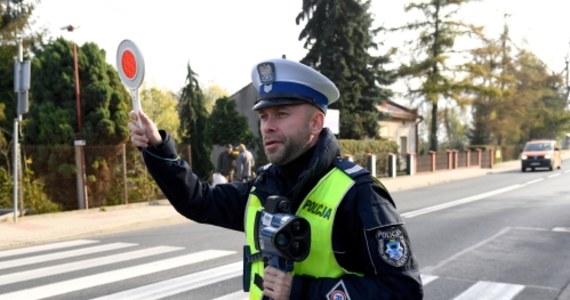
(354, 170)
(350, 168)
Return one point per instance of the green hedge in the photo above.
(362, 147)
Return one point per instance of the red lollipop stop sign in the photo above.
(130, 65)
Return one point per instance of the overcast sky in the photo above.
(223, 39)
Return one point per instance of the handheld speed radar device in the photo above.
(282, 237)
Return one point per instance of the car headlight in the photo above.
(523, 156)
(547, 156)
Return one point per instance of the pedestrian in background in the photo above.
(244, 164)
(225, 163)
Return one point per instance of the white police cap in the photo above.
(280, 82)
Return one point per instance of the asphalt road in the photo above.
(507, 231)
(501, 236)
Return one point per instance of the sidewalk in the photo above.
(426, 179)
(34, 229)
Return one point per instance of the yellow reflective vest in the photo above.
(319, 209)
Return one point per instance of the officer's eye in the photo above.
(282, 113)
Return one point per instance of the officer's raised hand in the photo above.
(144, 132)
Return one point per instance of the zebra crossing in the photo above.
(50, 271)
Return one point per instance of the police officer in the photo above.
(360, 248)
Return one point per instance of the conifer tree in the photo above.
(227, 126)
(340, 41)
(193, 125)
(104, 102)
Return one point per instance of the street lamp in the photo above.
(71, 28)
(79, 145)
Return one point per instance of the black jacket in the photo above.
(369, 236)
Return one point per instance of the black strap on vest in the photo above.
(248, 259)
(258, 281)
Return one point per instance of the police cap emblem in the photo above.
(266, 72)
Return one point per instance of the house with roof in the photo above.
(400, 126)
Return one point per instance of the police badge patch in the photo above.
(338, 292)
(392, 246)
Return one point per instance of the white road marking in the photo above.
(484, 290)
(473, 198)
(53, 246)
(178, 285)
(430, 269)
(426, 279)
(85, 282)
(83, 264)
(534, 181)
(465, 200)
(61, 255)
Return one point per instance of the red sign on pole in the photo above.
(130, 65)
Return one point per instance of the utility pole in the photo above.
(71, 28)
(22, 74)
(79, 144)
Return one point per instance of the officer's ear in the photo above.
(317, 121)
